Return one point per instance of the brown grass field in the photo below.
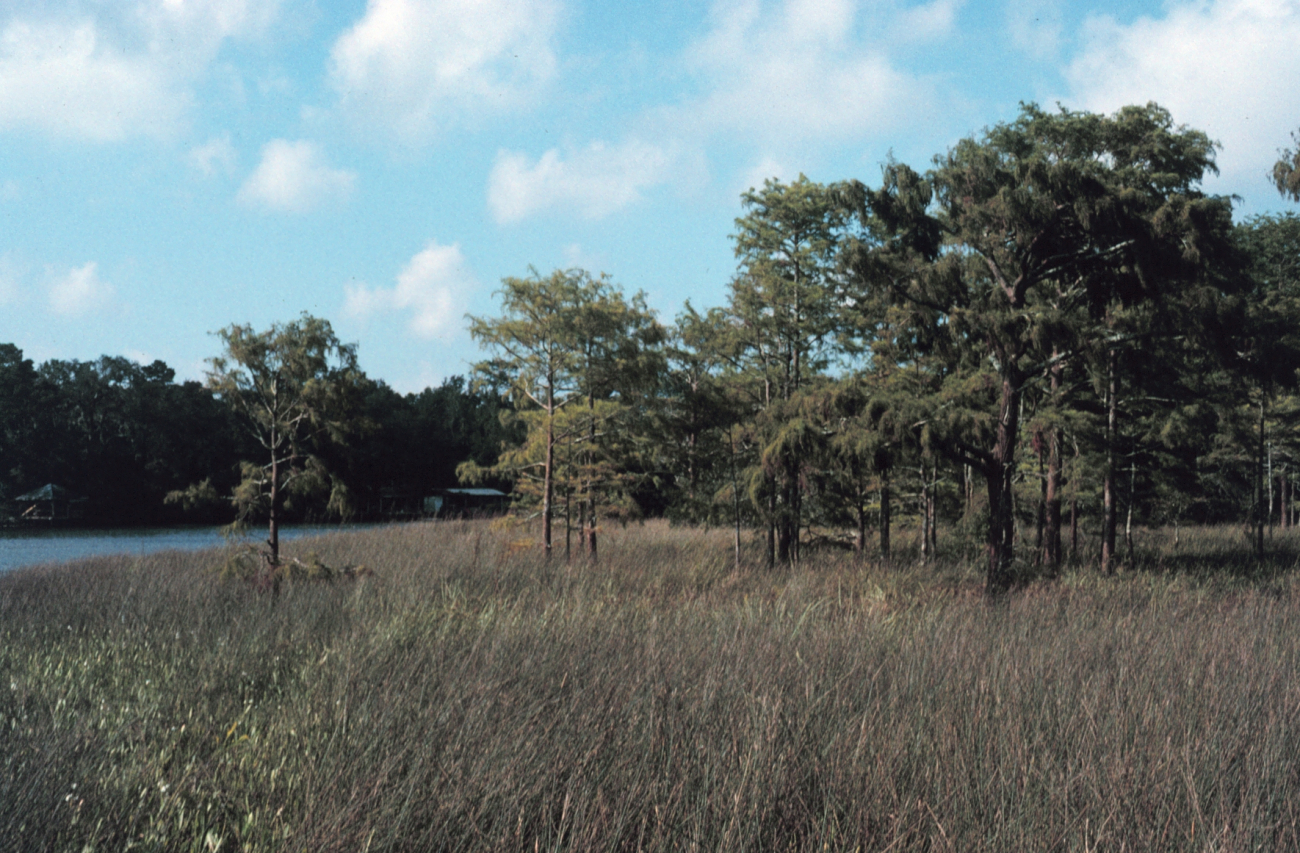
(470, 696)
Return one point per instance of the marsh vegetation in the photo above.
(472, 696)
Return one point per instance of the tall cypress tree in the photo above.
(1046, 222)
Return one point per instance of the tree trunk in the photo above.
(1040, 512)
(771, 522)
(589, 515)
(924, 509)
(1108, 507)
(967, 490)
(548, 470)
(1283, 499)
(796, 509)
(860, 538)
(735, 499)
(1052, 496)
(273, 526)
(783, 529)
(1270, 490)
(1128, 517)
(1259, 486)
(932, 510)
(999, 480)
(568, 525)
(884, 514)
(1074, 528)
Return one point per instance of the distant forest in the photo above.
(124, 435)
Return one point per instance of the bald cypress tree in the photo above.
(785, 318)
(295, 387)
(572, 354)
(1045, 223)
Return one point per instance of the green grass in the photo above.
(469, 696)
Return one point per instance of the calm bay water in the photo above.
(25, 547)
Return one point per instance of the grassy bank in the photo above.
(470, 697)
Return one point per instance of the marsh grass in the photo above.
(470, 696)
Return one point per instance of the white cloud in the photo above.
(206, 21)
(66, 82)
(108, 71)
(766, 168)
(1035, 26)
(597, 180)
(928, 21)
(785, 73)
(294, 177)
(431, 290)
(1228, 67)
(80, 292)
(217, 154)
(418, 65)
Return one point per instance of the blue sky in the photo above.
(169, 167)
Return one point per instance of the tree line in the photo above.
(124, 435)
(1052, 327)
(1051, 335)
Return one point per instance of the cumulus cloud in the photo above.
(765, 169)
(294, 177)
(108, 71)
(430, 290)
(809, 69)
(597, 180)
(418, 65)
(65, 81)
(217, 154)
(1035, 26)
(1227, 67)
(80, 291)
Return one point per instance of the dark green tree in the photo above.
(124, 434)
(1046, 220)
(1268, 340)
(786, 316)
(20, 405)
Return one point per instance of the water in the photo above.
(25, 546)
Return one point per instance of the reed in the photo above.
(471, 696)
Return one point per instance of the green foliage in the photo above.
(19, 427)
(1055, 308)
(140, 445)
(1286, 172)
(1056, 227)
(195, 497)
(417, 440)
(120, 434)
(296, 388)
(577, 360)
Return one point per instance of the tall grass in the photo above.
(470, 696)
